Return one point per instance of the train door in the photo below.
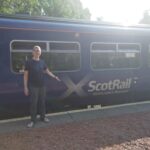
(142, 74)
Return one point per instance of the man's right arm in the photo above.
(26, 90)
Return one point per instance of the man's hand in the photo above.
(26, 91)
(57, 78)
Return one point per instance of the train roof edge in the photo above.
(76, 21)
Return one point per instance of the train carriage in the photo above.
(99, 64)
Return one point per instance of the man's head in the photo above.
(36, 51)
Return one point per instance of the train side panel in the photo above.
(98, 65)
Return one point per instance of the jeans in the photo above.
(37, 102)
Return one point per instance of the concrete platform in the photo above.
(19, 124)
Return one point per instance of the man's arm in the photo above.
(26, 90)
(51, 74)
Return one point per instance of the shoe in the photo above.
(30, 125)
(46, 120)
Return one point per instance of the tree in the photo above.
(146, 17)
(54, 8)
(13, 6)
(100, 19)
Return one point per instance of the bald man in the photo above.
(34, 85)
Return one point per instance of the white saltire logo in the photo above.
(72, 87)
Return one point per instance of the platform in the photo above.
(19, 124)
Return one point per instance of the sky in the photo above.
(119, 11)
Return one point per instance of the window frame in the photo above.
(116, 52)
(48, 50)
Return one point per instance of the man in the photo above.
(34, 84)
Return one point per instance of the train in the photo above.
(99, 64)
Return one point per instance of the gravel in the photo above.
(125, 132)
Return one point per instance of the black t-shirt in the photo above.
(36, 70)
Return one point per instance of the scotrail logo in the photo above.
(112, 85)
(93, 87)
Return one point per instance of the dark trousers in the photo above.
(37, 102)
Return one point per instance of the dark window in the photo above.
(18, 59)
(103, 46)
(128, 47)
(128, 55)
(65, 57)
(127, 60)
(119, 56)
(27, 45)
(62, 61)
(63, 46)
(102, 60)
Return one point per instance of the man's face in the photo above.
(37, 52)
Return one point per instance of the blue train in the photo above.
(98, 64)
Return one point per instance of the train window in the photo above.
(101, 60)
(62, 61)
(103, 46)
(18, 59)
(128, 55)
(115, 55)
(127, 60)
(128, 47)
(27, 45)
(103, 55)
(21, 51)
(63, 46)
(63, 56)
(60, 56)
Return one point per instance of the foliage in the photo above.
(146, 17)
(54, 8)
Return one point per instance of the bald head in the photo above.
(37, 48)
(36, 52)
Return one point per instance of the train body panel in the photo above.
(98, 64)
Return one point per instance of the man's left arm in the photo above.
(51, 74)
